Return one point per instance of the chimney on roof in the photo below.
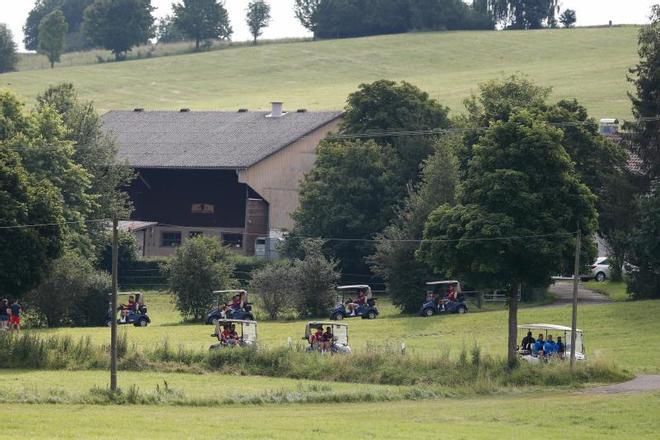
(185, 110)
(277, 111)
(302, 110)
(138, 110)
(242, 110)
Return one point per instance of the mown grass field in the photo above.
(541, 415)
(73, 404)
(589, 64)
(618, 332)
(615, 290)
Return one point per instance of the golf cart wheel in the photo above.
(600, 277)
(462, 310)
(338, 316)
(429, 312)
(143, 323)
(371, 315)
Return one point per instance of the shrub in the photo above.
(315, 277)
(198, 267)
(275, 285)
(72, 293)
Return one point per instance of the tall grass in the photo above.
(470, 371)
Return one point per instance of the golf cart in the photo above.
(436, 301)
(364, 306)
(134, 312)
(339, 342)
(530, 355)
(241, 311)
(246, 334)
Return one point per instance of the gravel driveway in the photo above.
(563, 292)
(645, 382)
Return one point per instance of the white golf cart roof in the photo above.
(230, 291)
(236, 321)
(248, 329)
(326, 323)
(435, 283)
(339, 330)
(353, 287)
(555, 327)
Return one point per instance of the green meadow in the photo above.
(589, 64)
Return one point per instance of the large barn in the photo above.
(231, 175)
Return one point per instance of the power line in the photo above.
(42, 225)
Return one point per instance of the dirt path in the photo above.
(563, 291)
(645, 382)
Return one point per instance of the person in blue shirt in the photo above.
(537, 348)
(549, 348)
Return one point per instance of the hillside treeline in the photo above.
(356, 18)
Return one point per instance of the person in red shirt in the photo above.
(326, 339)
(316, 337)
(451, 293)
(362, 298)
(236, 302)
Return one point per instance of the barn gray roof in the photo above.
(221, 140)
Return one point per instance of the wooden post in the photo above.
(513, 325)
(576, 281)
(113, 308)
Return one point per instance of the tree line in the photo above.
(59, 180)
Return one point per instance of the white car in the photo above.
(600, 270)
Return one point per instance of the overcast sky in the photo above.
(284, 23)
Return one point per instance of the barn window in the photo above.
(232, 240)
(203, 208)
(170, 239)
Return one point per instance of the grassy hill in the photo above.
(589, 63)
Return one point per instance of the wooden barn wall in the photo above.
(277, 178)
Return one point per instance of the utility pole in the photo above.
(576, 280)
(113, 308)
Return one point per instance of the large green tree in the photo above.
(394, 259)
(525, 14)
(202, 20)
(8, 55)
(645, 78)
(257, 17)
(307, 14)
(518, 208)
(96, 153)
(118, 25)
(73, 11)
(645, 248)
(385, 107)
(348, 195)
(52, 31)
(38, 180)
(598, 161)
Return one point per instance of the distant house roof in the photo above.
(130, 226)
(218, 140)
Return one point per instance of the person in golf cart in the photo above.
(364, 306)
(333, 340)
(238, 308)
(545, 348)
(131, 306)
(228, 336)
